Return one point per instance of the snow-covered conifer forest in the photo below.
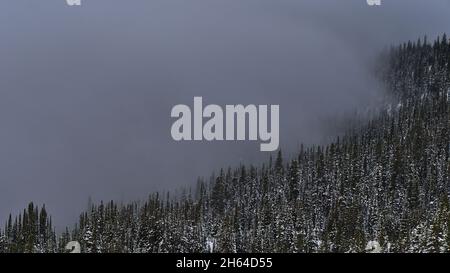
(384, 186)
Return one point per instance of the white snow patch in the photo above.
(373, 247)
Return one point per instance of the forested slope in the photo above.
(386, 182)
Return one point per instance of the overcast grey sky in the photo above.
(86, 92)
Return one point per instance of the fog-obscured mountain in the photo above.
(384, 186)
